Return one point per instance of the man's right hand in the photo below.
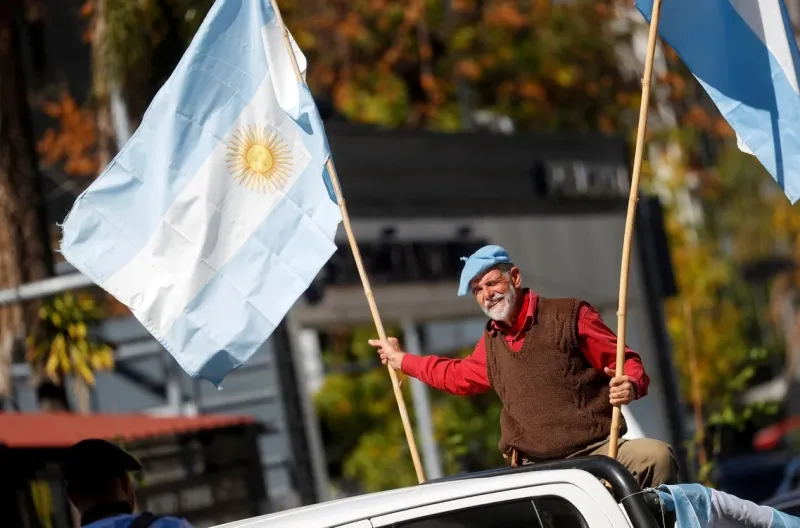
(390, 351)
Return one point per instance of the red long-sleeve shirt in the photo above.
(469, 376)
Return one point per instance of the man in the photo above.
(98, 485)
(552, 362)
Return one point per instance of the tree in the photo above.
(135, 47)
(550, 66)
(715, 322)
(24, 252)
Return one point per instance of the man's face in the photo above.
(497, 293)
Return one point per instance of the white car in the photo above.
(562, 494)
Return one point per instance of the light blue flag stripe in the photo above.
(208, 252)
(748, 65)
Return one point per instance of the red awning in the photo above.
(54, 430)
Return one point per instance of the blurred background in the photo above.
(453, 123)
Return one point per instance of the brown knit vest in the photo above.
(554, 402)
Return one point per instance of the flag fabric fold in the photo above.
(697, 506)
(218, 213)
(745, 55)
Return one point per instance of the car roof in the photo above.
(343, 511)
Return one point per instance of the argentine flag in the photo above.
(745, 55)
(218, 213)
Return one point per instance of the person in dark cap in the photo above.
(96, 473)
(552, 363)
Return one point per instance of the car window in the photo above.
(543, 512)
(555, 512)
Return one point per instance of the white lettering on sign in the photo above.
(576, 179)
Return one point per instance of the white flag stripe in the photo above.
(285, 83)
(765, 18)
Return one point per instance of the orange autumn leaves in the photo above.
(547, 65)
(71, 144)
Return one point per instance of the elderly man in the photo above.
(552, 362)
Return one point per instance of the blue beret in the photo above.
(483, 259)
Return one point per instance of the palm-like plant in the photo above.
(67, 345)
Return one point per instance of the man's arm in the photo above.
(599, 344)
(462, 377)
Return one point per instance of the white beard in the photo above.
(501, 310)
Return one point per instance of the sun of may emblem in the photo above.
(259, 159)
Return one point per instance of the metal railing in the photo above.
(44, 288)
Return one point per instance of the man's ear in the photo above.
(516, 277)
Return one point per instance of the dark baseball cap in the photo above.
(94, 458)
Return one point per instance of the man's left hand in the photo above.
(623, 391)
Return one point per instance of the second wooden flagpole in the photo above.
(616, 416)
(373, 307)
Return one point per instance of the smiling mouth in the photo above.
(495, 303)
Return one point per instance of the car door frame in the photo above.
(594, 514)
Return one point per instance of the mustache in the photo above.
(495, 298)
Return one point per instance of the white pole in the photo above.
(422, 408)
(44, 288)
(306, 353)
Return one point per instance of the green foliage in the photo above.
(359, 414)
(729, 415)
(467, 431)
(365, 442)
(738, 208)
(65, 345)
(728, 325)
(125, 35)
(735, 416)
(132, 27)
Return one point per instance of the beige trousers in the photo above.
(651, 462)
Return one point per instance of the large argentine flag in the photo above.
(744, 54)
(217, 214)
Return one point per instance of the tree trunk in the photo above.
(100, 88)
(24, 244)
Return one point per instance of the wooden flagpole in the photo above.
(631, 219)
(373, 307)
